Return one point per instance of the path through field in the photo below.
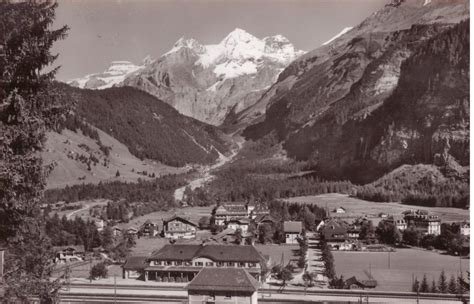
(315, 264)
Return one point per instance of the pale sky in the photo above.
(103, 31)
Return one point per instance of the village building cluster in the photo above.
(341, 235)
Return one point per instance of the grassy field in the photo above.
(404, 264)
(356, 207)
(82, 212)
(277, 252)
(70, 172)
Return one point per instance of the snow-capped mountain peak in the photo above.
(238, 36)
(113, 75)
(205, 81)
(185, 43)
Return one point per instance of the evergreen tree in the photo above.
(460, 285)
(117, 174)
(442, 283)
(416, 285)
(29, 106)
(107, 238)
(433, 288)
(424, 284)
(285, 213)
(452, 286)
(238, 237)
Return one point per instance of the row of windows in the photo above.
(201, 264)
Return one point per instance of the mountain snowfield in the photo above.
(345, 30)
(113, 76)
(206, 82)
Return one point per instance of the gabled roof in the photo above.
(293, 227)
(225, 208)
(176, 252)
(241, 221)
(223, 279)
(218, 253)
(265, 218)
(132, 228)
(181, 219)
(135, 263)
(333, 229)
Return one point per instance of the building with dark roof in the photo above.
(179, 227)
(69, 253)
(292, 231)
(134, 267)
(241, 223)
(227, 211)
(220, 285)
(181, 262)
(335, 234)
(149, 228)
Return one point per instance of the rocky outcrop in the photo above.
(388, 92)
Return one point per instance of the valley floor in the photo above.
(359, 208)
(395, 273)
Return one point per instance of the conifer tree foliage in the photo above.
(29, 106)
(442, 283)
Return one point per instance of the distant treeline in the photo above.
(236, 184)
(157, 190)
(443, 194)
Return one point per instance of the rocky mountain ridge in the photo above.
(377, 96)
(206, 82)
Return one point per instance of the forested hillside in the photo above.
(150, 128)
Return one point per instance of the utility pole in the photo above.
(115, 288)
(90, 269)
(389, 259)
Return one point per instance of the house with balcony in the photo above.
(221, 285)
(423, 222)
(179, 227)
(182, 262)
(227, 211)
(292, 230)
(335, 233)
(398, 221)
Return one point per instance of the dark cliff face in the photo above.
(380, 100)
(427, 113)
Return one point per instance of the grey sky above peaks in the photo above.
(103, 31)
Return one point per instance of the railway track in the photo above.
(355, 294)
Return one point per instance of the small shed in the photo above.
(134, 267)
